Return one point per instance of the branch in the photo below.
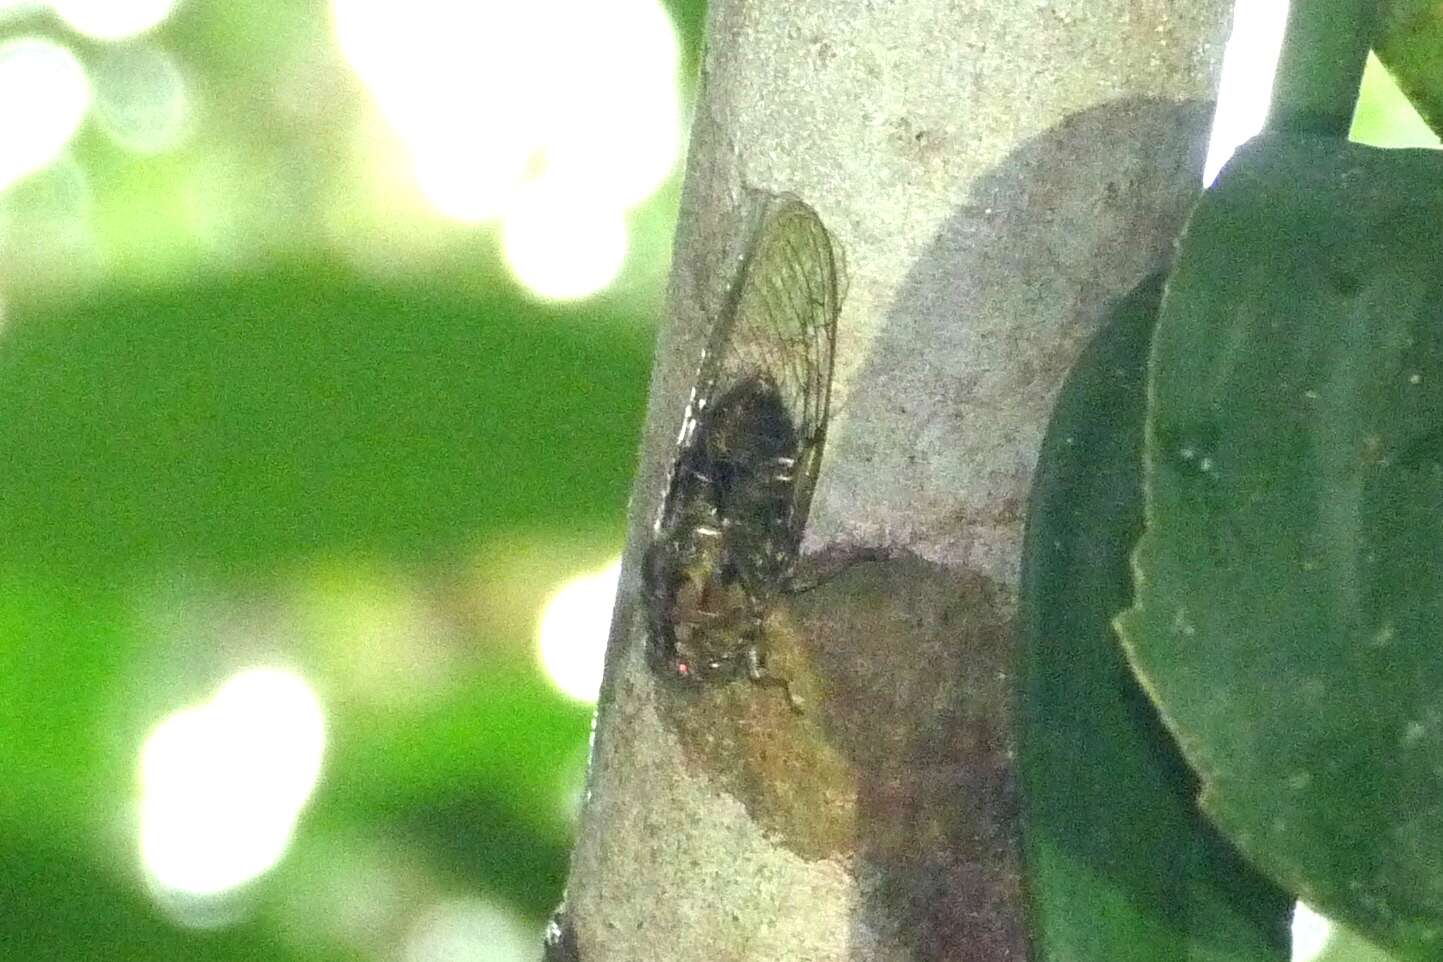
(1321, 64)
(997, 174)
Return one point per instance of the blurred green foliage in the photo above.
(246, 420)
(243, 422)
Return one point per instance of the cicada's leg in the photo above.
(815, 571)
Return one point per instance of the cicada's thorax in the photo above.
(716, 564)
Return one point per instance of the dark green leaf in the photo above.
(1121, 865)
(1290, 585)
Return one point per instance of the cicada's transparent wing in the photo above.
(782, 327)
(728, 533)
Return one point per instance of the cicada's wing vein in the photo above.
(780, 323)
(785, 328)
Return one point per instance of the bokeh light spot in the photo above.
(140, 98)
(472, 182)
(1249, 63)
(222, 783)
(454, 82)
(113, 19)
(616, 115)
(562, 246)
(498, 103)
(571, 633)
(44, 96)
(1311, 933)
(474, 930)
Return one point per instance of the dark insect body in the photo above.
(728, 535)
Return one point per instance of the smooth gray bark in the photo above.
(997, 174)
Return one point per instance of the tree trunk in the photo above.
(996, 174)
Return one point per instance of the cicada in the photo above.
(728, 534)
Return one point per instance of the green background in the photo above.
(342, 441)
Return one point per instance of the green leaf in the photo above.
(1288, 593)
(1409, 41)
(1121, 867)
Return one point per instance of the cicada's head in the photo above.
(701, 620)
